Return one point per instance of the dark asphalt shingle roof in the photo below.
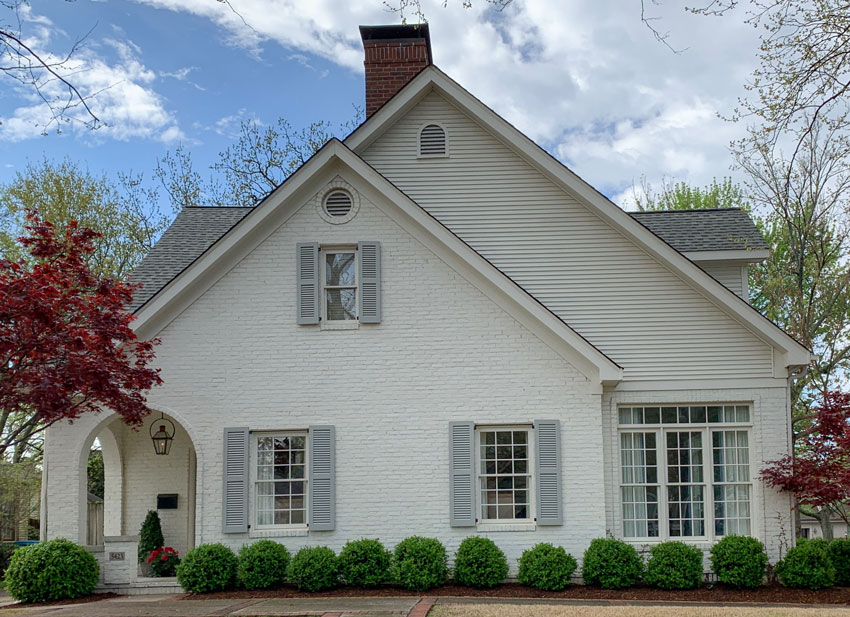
(197, 229)
(725, 229)
(192, 232)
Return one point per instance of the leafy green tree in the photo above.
(682, 196)
(125, 215)
(94, 474)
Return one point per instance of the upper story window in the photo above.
(504, 474)
(685, 471)
(339, 283)
(432, 141)
(280, 479)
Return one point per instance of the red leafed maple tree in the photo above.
(66, 346)
(819, 473)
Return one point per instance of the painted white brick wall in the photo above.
(443, 352)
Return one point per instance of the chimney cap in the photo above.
(400, 32)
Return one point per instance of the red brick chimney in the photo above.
(394, 56)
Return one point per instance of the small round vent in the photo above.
(338, 203)
(432, 141)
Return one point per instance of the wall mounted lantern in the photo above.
(162, 438)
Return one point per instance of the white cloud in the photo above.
(119, 92)
(587, 80)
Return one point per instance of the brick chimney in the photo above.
(394, 56)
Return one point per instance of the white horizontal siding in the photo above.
(601, 284)
(730, 274)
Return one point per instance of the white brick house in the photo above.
(338, 360)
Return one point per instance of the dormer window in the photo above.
(433, 141)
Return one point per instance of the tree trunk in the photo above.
(824, 517)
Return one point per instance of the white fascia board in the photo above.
(289, 197)
(741, 255)
(792, 352)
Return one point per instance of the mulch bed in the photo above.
(773, 594)
(96, 597)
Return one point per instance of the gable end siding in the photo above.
(613, 293)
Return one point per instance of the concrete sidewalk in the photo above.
(171, 606)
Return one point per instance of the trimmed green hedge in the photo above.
(53, 570)
(674, 565)
(207, 568)
(807, 566)
(314, 569)
(420, 564)
(480, 563)
(839, 553)
(739, 561)
(262, 565)
(364, 563)
(611, 564)
(546, 567)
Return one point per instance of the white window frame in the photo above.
(532, 475)
(661, 429)
(255, 437)
(325, 250)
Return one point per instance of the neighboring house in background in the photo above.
(435, 328)
(811, 528)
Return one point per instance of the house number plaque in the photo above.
(116, 556)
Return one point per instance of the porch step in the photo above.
(142, 586)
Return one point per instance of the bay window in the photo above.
(685, 471)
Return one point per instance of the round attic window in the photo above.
(338, 203)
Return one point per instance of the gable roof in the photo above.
(189, 235)
(790, 352)
(722, 229)
(259, 222)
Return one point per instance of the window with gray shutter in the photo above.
(462, 472)
(321, 482)
(370, 281)
(235, 505)
(547, 435)
(432, 141)
(307, 266)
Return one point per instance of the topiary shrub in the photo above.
(207, 568)
(262, 565)
(480, 563)
(150, 535)
(739, 561)
(53, 570)
(611, 564)
(674, 565)
(314, 569)
(839, 553)
(546, 567)
(364, 563)
(807, 566)
(420, 564)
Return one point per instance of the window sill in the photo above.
(292, 532)
(507, 526)
(352, 324)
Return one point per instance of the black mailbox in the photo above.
(166, 501)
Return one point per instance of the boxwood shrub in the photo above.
(839, 552)
(314, 569)
(207, 568)
(420, 564)
(611, 564)
(479, 563)
(546, 567)
(739, 561)
(53, 570)
(262, 565)
(807, 566)
(364, 563)
(674, 565)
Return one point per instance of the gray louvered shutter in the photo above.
(307, 267)
(462, 473)
(235, 506)
(321, 480)
(370, 281)
(547, 439)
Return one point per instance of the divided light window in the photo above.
(280, 483)
(340, 284)
(504, 473)
(685, 471)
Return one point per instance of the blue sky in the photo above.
(585, 80)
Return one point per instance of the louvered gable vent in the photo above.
(432, 141)
(338, 203)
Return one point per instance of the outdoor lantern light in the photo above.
(162, 439)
